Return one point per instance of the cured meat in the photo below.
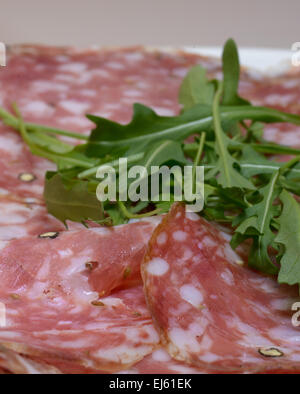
(101, 259)
(21, 217)
(12, 362)
(283, 93)
(210, 310)
(55, 310)
(48, 284)
(160, 362)
(21, 172)
(57, 87)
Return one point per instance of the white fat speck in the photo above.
(10, 146)
(187, 254)
(62, 58)
(101, 73)
(282, 304)
(115, 65)
(226, 236)
(84, 78)
(88, 92)
(184, 340)
(162, 238)
(179, 72)
(228, 277)
(76, 309)
(9, 213)
(3, 191)
(3, 244)
(37, 108)
(134, 57)
(179, 236)
(230, 254)
(65, 252)
(190, 294)
(122, 354)
(132, 93)
(80, 343)
(287, 332)
(157, 267)
(74, 107)
(44, 271)
(206, 242)
(76, 68)
(46, 86)
(209, 357)
(9, 335)
(2, 315)
(75, 120)
(65, 323)
(128, 372)
(161, 355)
(281, 99)
(251, 336)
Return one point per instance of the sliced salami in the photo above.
(21, 217)
(12, 362)
(55, 309)
(210, 310)
(160, 362)
(283, 93)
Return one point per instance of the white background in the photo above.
(255, 23)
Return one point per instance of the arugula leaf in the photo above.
(231, 75)
(255, 222)
(228, 176)
(71, 200)
(163, 152)
(147, 127)
(196, 89)
(289, 237)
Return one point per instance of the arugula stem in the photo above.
(218, 130)
(200, 149)
(40, 152)
(198, 157)
(268, 148)
(130, 215)
(13, 122)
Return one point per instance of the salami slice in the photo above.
(160, 362)
(283, 93)
(21, 217)
(12, 362)
(58, 88)
(210, 310)
(55, 309)
(21, 172)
